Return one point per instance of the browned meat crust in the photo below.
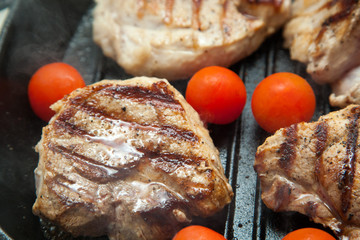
(325, 35)
(128, 159)
(175, 38)
(313, 168)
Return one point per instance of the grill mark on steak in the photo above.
(158, 95)
(346, 178)
(347, 6)
(163, 99)
(170, 162)
(167, 130)
(321, 134)
(90, 168)
(287, 148)
(61, 126)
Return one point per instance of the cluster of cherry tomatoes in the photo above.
(281, 99)
(216, 93)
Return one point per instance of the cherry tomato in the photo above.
(196, 232)
(308, 234)
(282, 99)
(51, 83)
(217, 94)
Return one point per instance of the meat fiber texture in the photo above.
(314, 168)
(129, 159)
(174, 39)
(325, 35)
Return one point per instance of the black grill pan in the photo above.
(42, 31)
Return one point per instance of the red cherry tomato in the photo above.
(282, 99)
(196, 232)
(51, 83)
(308, 234)
(217, 94)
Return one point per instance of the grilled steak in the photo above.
(175, 38)
(129, 159)
(325, 35)
(313, 168)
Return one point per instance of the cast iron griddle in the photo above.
(38, 32)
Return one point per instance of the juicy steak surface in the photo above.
(129, 159)
(314, 169)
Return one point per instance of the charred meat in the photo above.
(129, 159)
(325, 35)
(313, 168)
